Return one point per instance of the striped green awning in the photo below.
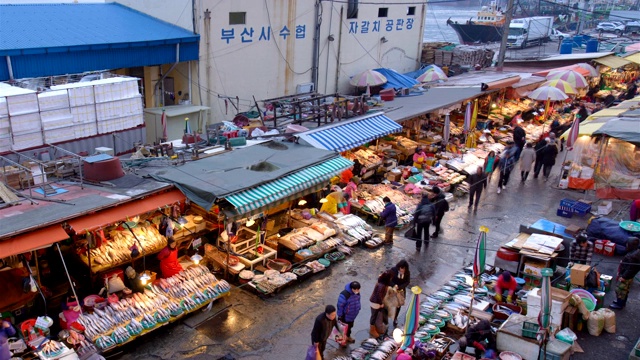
(288, 187)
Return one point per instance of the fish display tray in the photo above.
(530, 329)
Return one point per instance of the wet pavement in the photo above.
(243, 326)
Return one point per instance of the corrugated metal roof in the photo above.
(46, 26)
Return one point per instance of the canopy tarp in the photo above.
(210, 179)
(287, 188)
(33, 240)
(396, 80)
(576, 68)
(587, 127)
(351, 134)
(634, 58)
(627, 129)
(612, 61)
(610, 112)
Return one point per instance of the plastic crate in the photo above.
(530, 329)
(581, 208)
(564, 213)
(567, 204)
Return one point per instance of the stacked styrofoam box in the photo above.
(54, 119)
(115, 89)
(26, 123)
(85, 130)
(19, 112)
(119, 108)
(84, 114)
(59, 134)
(53, 100)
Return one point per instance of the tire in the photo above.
(560, 38)
(618, 32)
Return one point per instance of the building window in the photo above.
(237, 18)
(352, 9)
(383, 12)
(411, 10)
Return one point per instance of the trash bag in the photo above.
(609, 320)
(595, 324)
(312, 353)
(566, 335)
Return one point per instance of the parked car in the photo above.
(610, 27)
(632, 27)
(557, 35)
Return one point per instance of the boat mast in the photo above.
(505, 35)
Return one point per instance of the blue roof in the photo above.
(99, 36)
(396, 80)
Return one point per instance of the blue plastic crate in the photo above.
(564, 213)
(567, 204)
(581, 208)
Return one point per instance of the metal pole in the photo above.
(9, 67)
(505, 35)
(73, 289)
(316, 46)
(339, 49)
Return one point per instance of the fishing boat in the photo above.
(485, 28)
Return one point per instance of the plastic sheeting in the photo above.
(618, 171)
(396, 80)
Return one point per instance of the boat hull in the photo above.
(471, 33)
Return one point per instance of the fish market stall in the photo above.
(370, 201)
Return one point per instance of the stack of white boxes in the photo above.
(67, 112)
(23, 117)
(113, 104)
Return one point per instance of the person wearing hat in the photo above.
(581, 250)
(506, 282)
(168, 257)
(419, 158)
(133, 280)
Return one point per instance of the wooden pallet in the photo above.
(7, 196)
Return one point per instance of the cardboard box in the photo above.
(604, 208)
(579, 274)
(533, 268)
(609, 248)
(598, 247)
(572, 230)
(394, 177)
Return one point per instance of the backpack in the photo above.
(426, 213)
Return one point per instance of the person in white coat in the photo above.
(527, 158)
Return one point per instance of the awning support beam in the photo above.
(9, 67)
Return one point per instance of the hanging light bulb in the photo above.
(302, 202)
(398, 335)
(196, 258)
(250, 222)
(323, 200)
(144, 278)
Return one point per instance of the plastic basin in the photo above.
(590, 305)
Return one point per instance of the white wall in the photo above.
(176, 12)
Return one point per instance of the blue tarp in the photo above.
(416, 73)
(396, 80)
(608, 229)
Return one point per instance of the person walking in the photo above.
(423, 217)
(506, 165)
(549, 154)
(322, 328)
(491, 162)
(400, 278)
(627, 270)
(390, 218)
(377, 302)
(527, 158)
(539, 149)
(349, 306)
(441, 206)
(520, 139)
(477, 182)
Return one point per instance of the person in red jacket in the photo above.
(169, 259)
(506, 282)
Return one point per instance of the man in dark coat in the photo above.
(519, 138)
(442, 206)
(628, 269)
(480, 337)
(549, 157)
(539, 148)
(322, 327)
(390, 220)
(477, 182)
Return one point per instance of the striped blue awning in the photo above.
(352, 134)
(287, 188)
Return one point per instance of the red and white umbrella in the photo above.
(368, 78)
(573, 133)
(545, 93)
(573, 77)
(432, 75)
(591, 69)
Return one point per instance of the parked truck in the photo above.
(530, 30)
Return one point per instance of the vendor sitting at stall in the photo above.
(133, 280)
(581, 250)
(454, 146)
(168, 257)
(419, 158)
(345, 177)
(480, 337)
(334, 201)
(506, 282)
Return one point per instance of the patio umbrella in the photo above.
(592, 70)
(431, 75)
(544, 317)
(571, 76)
(163, 120)
(447, 129)
(467, 118)
(564, 86)
(479, 259)
(412, 318)
(549, 94)
(474, 116)
(368, 78)
(573, 133)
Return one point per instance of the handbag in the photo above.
(401, 297)
(313, 353)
